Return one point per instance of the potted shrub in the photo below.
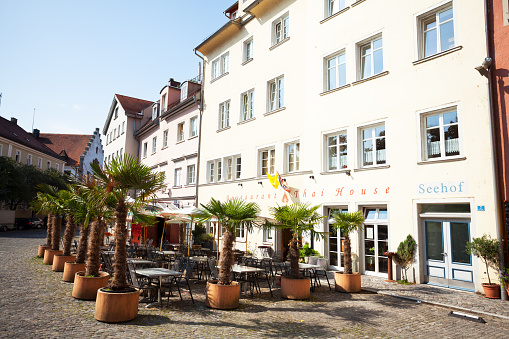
(487, 249)
(404, 256)
(346, 223)
(306, 253)
(118, 302)
(231, 215)
(299, 218)
(40, 204)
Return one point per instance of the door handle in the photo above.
(445, 254)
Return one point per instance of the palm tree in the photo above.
(231, 215)
(347, 223)
(54, 203)
(299, 218)
(41, 205)
(116, 180)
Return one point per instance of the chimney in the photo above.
(35, 133)
(173, 83)
(15, 121)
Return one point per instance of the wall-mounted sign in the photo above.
(481, 208)
(446, 187)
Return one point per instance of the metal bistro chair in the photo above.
(107, 263)
(214, 272)
(315, 275)
(182, 281)
(143, 285)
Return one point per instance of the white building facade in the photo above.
(358, 107)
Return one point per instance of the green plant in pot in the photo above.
(347, 223)
(306, 252)
(231, 215)
(405, 256)
(487, 249)
(300, 219)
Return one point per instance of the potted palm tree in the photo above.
(118, 302)
(51, 202)
(346, 223)
(231, 215)
(41, 205)
(487, 249)
(300, 218)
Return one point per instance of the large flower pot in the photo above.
(59, 260)
(116, 307)
(70, 269)
(349, 283)
(491, 291)
(85, 288)
(223, 297)
(48, 256)
(297, 289)
(42, 248)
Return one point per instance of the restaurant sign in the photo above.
(446, 187)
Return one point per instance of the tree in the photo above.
(405, 254)
(347, 223)
(115, 180)
(487, 249)
(231, 215)
(300, 219)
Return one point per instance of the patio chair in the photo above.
(144, 285)
(316, 274)
(107, 263)
(214, 272)
(182, 281)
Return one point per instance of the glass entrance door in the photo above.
(447, 262)
(336, 260)
(376, 240)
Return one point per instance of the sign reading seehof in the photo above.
(446, 187)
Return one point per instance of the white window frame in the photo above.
(373, 138)
(180, 132)
(116, 113)
(39, 163)
(338, 56)
(421, 30)
(123, 127)
(340, 163)
(423, 134)
(48, 164)
(29, 158)
(247, 105)
(248, 50)
(331, 9)
(268, 155)
(191, 174)
(276, 93)
(154, 111)
(184, 91)
(376, 222)
(240, 232)
(281, 29)
(17, 156)
(268, 236)
(224, 115)
(193, 127)
(220, 65)
(114, 133)
(360, 46)
(215, 170)
(163, 103)
(177, 177)
(154, 144)
(165, 138)
(56, 167)
(292, 166)
(145, 149)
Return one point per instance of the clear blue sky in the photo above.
(67, 58)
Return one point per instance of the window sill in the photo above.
(179, 142)
(246, 62)
(177, 186)
(194, 137)
(275, 111)
(219, 77)
(289, 174)
(371, 168)
(189, 185)
(335, 15)
(223, 129)
(335, 89)
(437, 55)
(433, 161)
(343, 170)
(165, 147)
(153, 153)
(379, 75)
(357, 3)
(246, 121)
(279, 44)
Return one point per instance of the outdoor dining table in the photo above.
(166, 253)
(137, 261)
(159, 273)
(240, 269)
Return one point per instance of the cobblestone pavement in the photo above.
(34, 302)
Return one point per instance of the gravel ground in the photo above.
(34, 302)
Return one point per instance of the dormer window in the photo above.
(183, 91)
(163, 102)
(154, 112)
(234, 15)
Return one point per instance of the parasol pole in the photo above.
(217, 247)
(189, 238)
(162, 237)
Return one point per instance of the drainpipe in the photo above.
(199, 130)
(499, 205)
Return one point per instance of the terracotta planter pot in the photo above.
(223, 297)
(59, 260)
(85, 288)
(296, 289)
(70, 269)
(116, 307)
(48, 256)
(491, 291)
(349, 283)
(42, 248)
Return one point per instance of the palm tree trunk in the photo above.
(94, 247)
(347, 253)
(49, 229)
(294, 258)
(119, 281)
(69, 235)
(56, 232)
(227, 259)
(103, 231)
(81, 251)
